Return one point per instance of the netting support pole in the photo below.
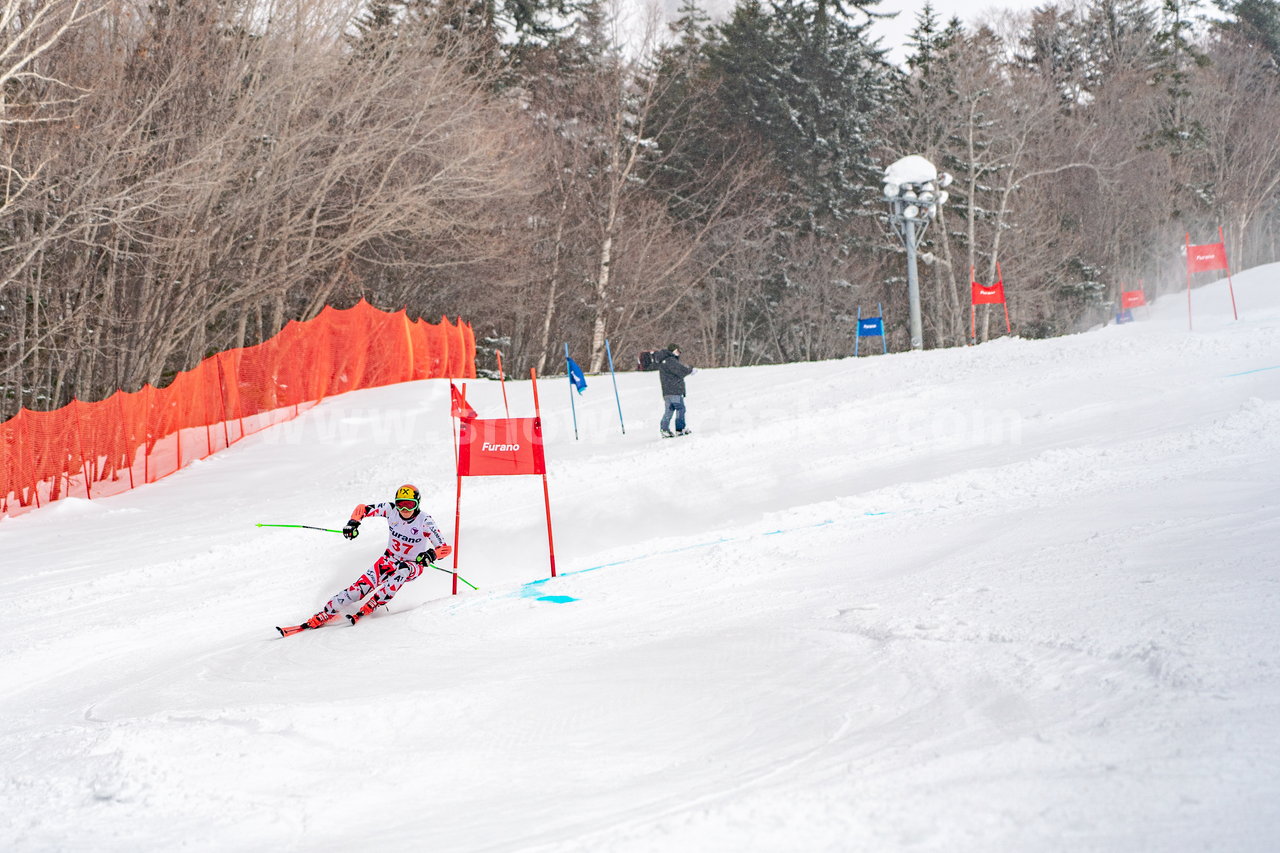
(84, 462)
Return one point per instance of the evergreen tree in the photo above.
(928, 39)
(930, 83)
(931, 110)
(1120, 35)
(810, 85)
(1177, 58)
(1255, 21)
(376, 30)
(809, 89)
(1080, 48)
(1054, 47)
(508, 32)
(686, 114)
(690, 31)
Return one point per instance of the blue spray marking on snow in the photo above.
(1258, 370)
(533, 589)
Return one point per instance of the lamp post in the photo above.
(913, 189)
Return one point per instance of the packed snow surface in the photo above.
(1019, 596)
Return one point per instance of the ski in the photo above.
(290, 630)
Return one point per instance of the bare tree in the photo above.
(230, 176)
(29, 96)
(1235, 101)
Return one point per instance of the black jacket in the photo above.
(672, 373)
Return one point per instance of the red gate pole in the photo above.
(457, 503)
(546, 494)
(1187, 237)
(453, 429)
(457, 450)
(973, 312)
(457, 525)
(1231, 287)
(1004, 295)
(502, 380)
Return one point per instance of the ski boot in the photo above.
(364, 611)
(319, 619)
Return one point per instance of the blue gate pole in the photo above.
(609, 352)
(857, 332)
(884, 337)
(572, 406)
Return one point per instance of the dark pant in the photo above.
(675, 406)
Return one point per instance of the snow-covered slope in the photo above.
(1021, 596)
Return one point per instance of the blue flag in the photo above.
(576, 377)
(869, 326)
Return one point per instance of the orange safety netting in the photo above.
(92, 450)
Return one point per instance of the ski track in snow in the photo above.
(1016, 596)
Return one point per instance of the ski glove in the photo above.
(352, 530)
(427, 556)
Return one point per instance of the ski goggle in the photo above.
(406, 504)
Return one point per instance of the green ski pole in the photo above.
(451, 572)
(305, 526)
(446, 571)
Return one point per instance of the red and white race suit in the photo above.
(396, 567)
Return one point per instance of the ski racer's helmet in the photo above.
(408, 497)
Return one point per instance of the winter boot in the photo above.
(319, 619)
(684, 432)
(666, 433)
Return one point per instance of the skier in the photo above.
(414, 541)
(671, 374)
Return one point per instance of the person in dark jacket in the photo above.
(672, 372)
